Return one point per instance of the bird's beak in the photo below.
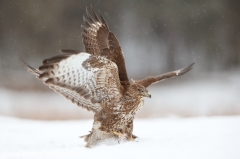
(149, 95)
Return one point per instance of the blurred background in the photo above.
(156, 37)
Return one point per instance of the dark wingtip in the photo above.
(90, 18)
(94, 14)
(192, 64)
(103, 20)
(20, 59)
(84, 29)
(186, 69)
(28, 67)
(24, 64)
(86, 22)
(69, 51)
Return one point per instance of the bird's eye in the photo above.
(142, 91)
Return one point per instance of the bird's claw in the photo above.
(132, 139)
(119, 135)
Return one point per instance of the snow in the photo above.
(165, 138)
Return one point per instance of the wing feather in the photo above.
(87, 80)
(98, 40)
(155, 79)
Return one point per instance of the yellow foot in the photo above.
(119, 135)
(132, 139)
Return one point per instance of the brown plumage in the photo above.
(97, 80)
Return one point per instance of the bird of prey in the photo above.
(97, 80)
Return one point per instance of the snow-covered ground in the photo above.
(166, 138)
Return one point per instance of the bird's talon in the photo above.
(117, 133)
(132, 139)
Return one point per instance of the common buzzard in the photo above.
(97, 80)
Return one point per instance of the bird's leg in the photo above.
(131, 137)
(134, 136)
(129, 130)
(119, 135)
(86, 137)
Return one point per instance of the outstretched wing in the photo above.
(152, 80)
(98, 40)
(87, 80)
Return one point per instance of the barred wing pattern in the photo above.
(89, 81)
(98, 40)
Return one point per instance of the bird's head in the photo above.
(140, 90)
